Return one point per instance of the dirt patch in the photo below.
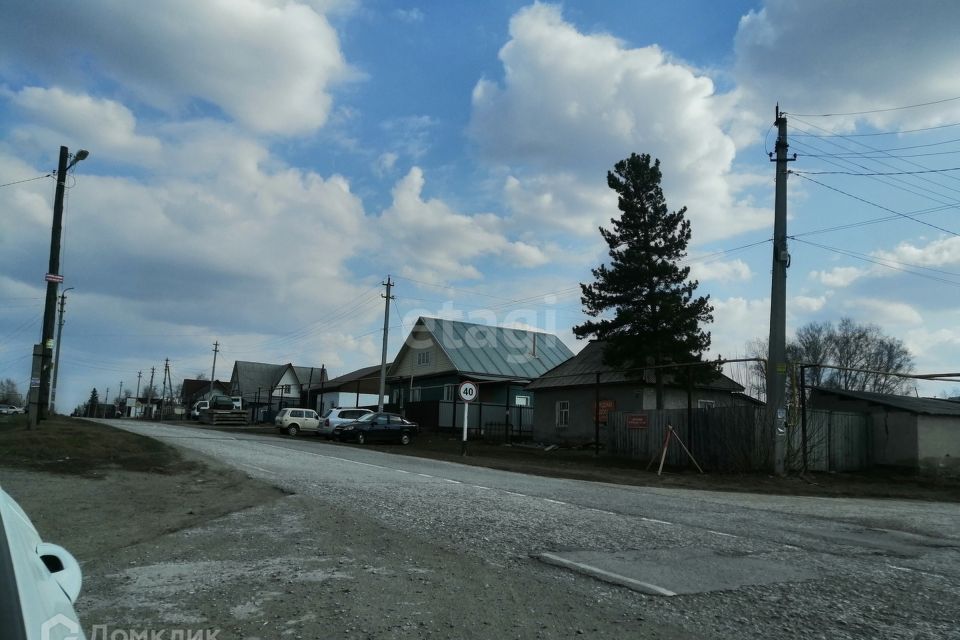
(77, 447)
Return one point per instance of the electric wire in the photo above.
(861, 113)
(878, 262)
(10, 184)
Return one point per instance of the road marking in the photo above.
(401, 471)
(514, 493)
(655, 520)
(554, 501)
(253, 466)
(480, 486)
(606, 576)
(721, 533)
(424, 475)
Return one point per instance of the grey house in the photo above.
(440, 354)
(267, 388)
(902, 431)
(567, 396)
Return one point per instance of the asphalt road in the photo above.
(723, 564)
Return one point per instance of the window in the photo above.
(522, 401)
(296, 413)
(415, 394)
(450, 392)
(423, 358)
(706, 404)
(563, 414)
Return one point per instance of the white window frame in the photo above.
(415, 394)
(706, 404)
(450, 392)
(521, 401)
(563, 414)
(423, 358)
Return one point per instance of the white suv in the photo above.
(334, 417)
(293, 421)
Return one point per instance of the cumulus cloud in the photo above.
(885, 312)
(731, 271)
(572, 104)
(436, 241)
(268, 65)
(941, 252)
(839, 276)
(858, 55)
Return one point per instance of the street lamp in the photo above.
(56, 358)
(41, 369)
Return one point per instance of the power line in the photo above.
(864, 223)
(897, 132)
(876, 173)
(879, 206)
(862, 113)
(9, 184)
(878, 262)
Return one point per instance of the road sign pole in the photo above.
(468, 392)
(466, 413)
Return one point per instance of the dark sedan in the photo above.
(377, 427)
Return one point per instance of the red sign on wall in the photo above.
(637, 421)
(606, 406)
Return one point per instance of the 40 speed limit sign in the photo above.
(468, 391)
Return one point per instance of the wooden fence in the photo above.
(836, 441)
(721, 439)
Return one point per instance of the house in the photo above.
(193, 390)
(566, 409)
(902, 431)
(267, 388)
(439, 354)
(355, 389)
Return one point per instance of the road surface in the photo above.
(707, 564)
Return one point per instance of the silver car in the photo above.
(334, 417)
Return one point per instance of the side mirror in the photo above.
(63, 567)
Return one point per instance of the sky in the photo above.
(258, 168)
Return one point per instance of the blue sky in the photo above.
(258, 167)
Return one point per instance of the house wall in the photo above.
(421, 341)
(333, 399)
(894, 437)
(938, 444)
(626, 397)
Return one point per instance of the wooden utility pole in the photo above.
(213, 371)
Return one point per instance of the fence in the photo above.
(721, 439)
(836, 441)
(484, 420)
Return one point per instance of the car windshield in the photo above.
(366, 417)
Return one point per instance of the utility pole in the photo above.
(53, 279)
(213, 371)
(56, 358)
(150, 393)
(386, 329)
(120, 395)
(136, 400)
(777, 355)
(163, 392)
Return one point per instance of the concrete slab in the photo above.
(669, 572)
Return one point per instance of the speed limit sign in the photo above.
(468, 391)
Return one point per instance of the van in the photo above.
(198, 406)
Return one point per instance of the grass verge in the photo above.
(72, 446)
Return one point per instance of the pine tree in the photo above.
(93, 402)
(656, 318)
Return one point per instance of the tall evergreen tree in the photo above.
(656, 318)
(93, 402)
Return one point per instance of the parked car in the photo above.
(335, 417)
(198, 406)
(39, 582)
(293, 421)
(378, 427)
(221, 403)
(9, 409)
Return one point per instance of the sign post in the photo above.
(468, 392)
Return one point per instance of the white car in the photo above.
(334, 417)
(39, 582)
(293, 421)
(9, 409)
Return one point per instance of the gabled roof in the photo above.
(251, 376)
(582, 370)
(193, 387)
(497, 352)
(366, 380)
(305, 376)
(910, 404)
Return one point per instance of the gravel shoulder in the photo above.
(211, 548)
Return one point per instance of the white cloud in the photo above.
(731, 271)
(105, 123)
(821, 56)
(736, 322)
(438, 243)
(839, 276)
(573, 104)
(269, 65)
(885, 312)
(385, 163)
(807, 304)
(411, 16)
(938, 253)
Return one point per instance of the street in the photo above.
(697, 563)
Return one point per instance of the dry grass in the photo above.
(72, 446)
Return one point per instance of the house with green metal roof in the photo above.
(439, 354)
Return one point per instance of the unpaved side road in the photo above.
(213, 549)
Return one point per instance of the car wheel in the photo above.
(293, 430)
(404, 438)
(361, 438)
